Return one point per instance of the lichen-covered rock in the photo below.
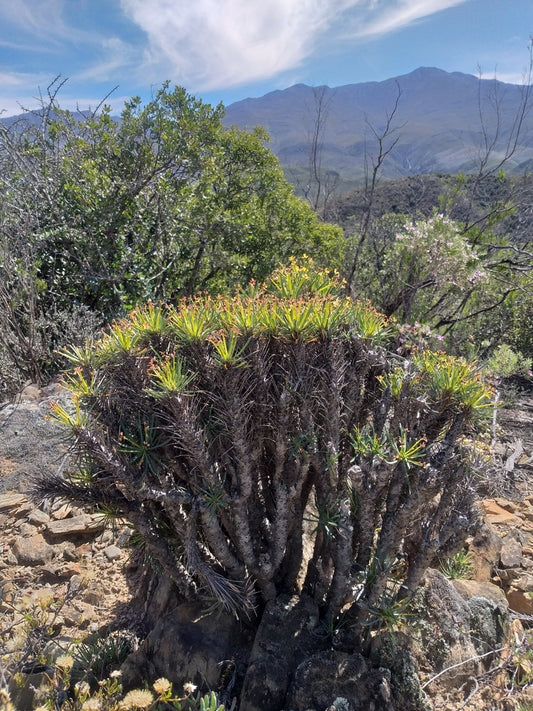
(455, 628)
(329, 676)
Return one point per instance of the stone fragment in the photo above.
(33, 551)
(497, 514)
(520, 601)
(84, 523)
(112, 552)
(511, 553)
(11, 501)
(69, 552)
(60, 512)
(38, 517)
(524, 583)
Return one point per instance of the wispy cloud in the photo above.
(401, 13)
(113, 55)
(213, 43)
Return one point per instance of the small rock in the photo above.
(38, 517)
(511, 552)
(497, 514)
(61, 511)
(520, 601)
(33, 551)
(524, 583)
(70, 553)
(112, 552)
(11, 501)
(83, 523)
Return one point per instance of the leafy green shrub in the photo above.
(230, 430)
(99, 215)
(505, 362)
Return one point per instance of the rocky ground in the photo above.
(66, 556)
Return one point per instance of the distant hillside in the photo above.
(418, 196)
(437, 124)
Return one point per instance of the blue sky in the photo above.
(226, 50)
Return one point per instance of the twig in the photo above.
(460, 664)
(471, 694)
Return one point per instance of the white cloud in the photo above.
(115, 55)
(42, 20)
(220, 43)
(402, 13)
(215, 43)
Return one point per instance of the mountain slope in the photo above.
(437, 123)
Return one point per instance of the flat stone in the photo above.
(38, 517)
(61, 512)
(11, 501)
(33, 551)
(84, 523)
(112, 552)
(510, 506)
(511, 553)
(520, 601)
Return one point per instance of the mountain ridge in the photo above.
(437, 123)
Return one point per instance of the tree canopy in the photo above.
(99, 214)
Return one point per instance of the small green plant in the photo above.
(505, 362)
(97, 657)
(460, 565)
(388, 613)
